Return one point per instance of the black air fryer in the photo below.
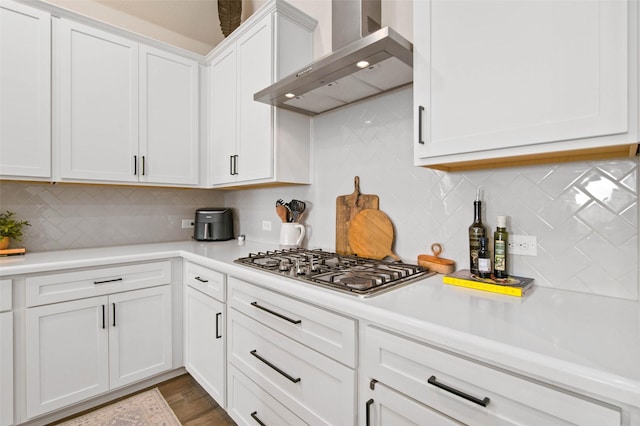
(213, 224)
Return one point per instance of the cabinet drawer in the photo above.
(316, 388)
(332, 334)
(409, 366)
(206, 280)
(5, 295)
(249, 404)
(64, 286)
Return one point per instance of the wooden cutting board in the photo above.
(347, 207)
(371, 235)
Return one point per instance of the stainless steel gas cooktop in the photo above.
(347, 274)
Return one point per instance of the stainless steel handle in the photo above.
(276, 368)
(255, 304)
(218, 315)
(235, 164)
(484, 401)
(254, 415)
(420, 112)
(231, 165)
(206, 231)
(108, 281)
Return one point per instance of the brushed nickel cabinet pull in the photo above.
(279, 370)
(255, 304)
(483, 402)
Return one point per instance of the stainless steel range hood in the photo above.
(366, 61)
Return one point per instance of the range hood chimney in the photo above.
(366, 60)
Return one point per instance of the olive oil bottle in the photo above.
(500, 248)
(476, 231)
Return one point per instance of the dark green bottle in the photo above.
(476, 231)
(484, 259)
(500, 249)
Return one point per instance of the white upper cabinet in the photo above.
(25, 91)
(253, 143)
(168, 117)
(98, 77)
(506, 83)
(128, 112)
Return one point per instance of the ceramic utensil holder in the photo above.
(291, 234)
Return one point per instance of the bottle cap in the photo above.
(502, 221)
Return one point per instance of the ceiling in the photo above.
(194, 19)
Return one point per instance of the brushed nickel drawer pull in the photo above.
(108, 281)
(255, 304)
(257, 419)
(484, 402)
(291, 378)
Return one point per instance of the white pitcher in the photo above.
(291, 234)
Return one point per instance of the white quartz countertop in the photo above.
(589, 344)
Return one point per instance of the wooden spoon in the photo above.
(371, 235)
(282, 212)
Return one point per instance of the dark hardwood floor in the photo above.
(192, 404)
(189, 401)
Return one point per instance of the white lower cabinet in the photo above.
(82, 348)
(6, 354)
(384, 406)
(464, 390)
(251, 405)
(306, 379)
(204, 341)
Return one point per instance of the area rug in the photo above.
(144, 409)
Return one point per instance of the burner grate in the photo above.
(348, 274)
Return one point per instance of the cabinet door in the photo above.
(503, 74)
(25, 91)
(205, 343)
(6, 368)
(168, 118)
(224, 110)
(386, 407)
(140, 342)
(255, 133)
(98, 87)
(67, 350)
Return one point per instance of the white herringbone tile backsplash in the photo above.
(585, 215)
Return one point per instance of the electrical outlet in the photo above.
(526, 245)
(187, 223)
(266, 225)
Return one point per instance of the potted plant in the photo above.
(10, 228)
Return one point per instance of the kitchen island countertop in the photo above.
(585, 343)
